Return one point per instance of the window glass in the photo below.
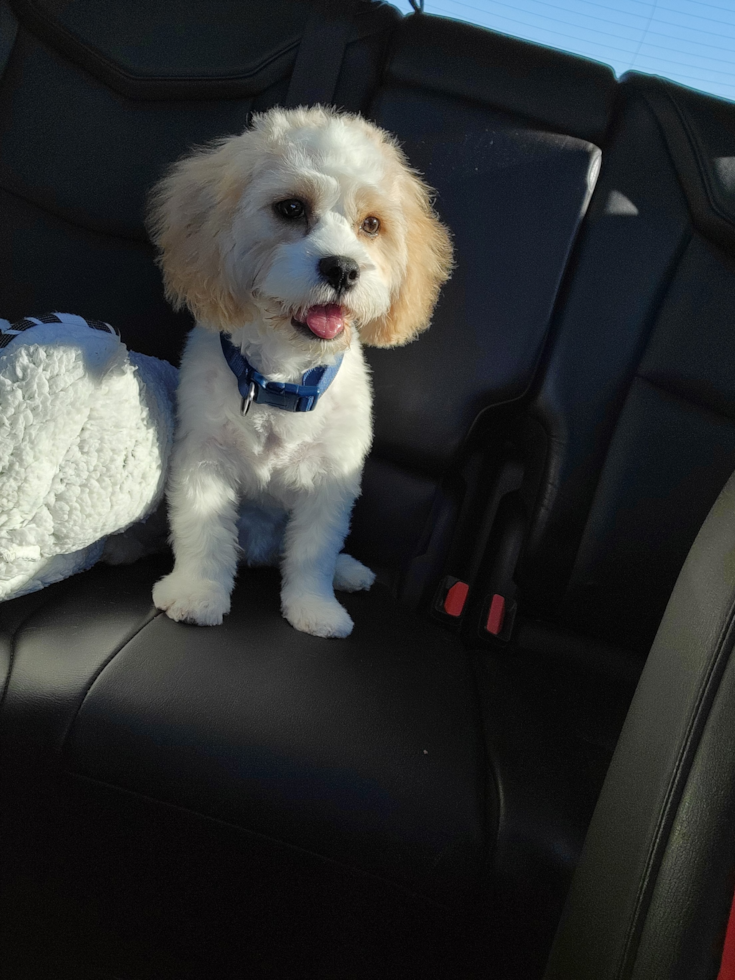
(689, 41)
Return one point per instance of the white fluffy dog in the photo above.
(296, 241)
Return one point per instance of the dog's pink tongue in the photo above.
(325, 321)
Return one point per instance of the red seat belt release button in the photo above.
(455, 599)
(496, 615)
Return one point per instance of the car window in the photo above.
(691, 42)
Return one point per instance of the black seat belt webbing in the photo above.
(321, 52)
(8, 34)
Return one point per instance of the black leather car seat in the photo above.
(358, 769)
(182, 802)
(652, 894)
(633, 417)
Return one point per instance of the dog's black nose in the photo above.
(340, 271)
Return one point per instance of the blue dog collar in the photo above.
(254, 387)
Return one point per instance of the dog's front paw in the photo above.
(191, 600)
(350, 575)
(317, 615)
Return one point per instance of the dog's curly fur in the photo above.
(284, 484)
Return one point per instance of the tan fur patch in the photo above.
(189, 211)
(429, 265)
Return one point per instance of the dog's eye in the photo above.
(292, 208)
(371, 225)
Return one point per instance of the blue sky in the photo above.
(690, 41)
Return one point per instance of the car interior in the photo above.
(520, 765)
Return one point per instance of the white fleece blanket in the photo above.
(86, 429)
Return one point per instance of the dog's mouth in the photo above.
(324, 322)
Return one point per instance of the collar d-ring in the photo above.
(247, 400)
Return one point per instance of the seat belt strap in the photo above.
(8, 34)
(321, 52)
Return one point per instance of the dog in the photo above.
(292, 245)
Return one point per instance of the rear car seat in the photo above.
(636, 405)
(252, 801)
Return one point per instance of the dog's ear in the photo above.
(428, 266)
(189, 219)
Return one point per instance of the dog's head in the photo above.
(309, 224)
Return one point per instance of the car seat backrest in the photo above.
(513, 168)
(638, 398)
(98, 98)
